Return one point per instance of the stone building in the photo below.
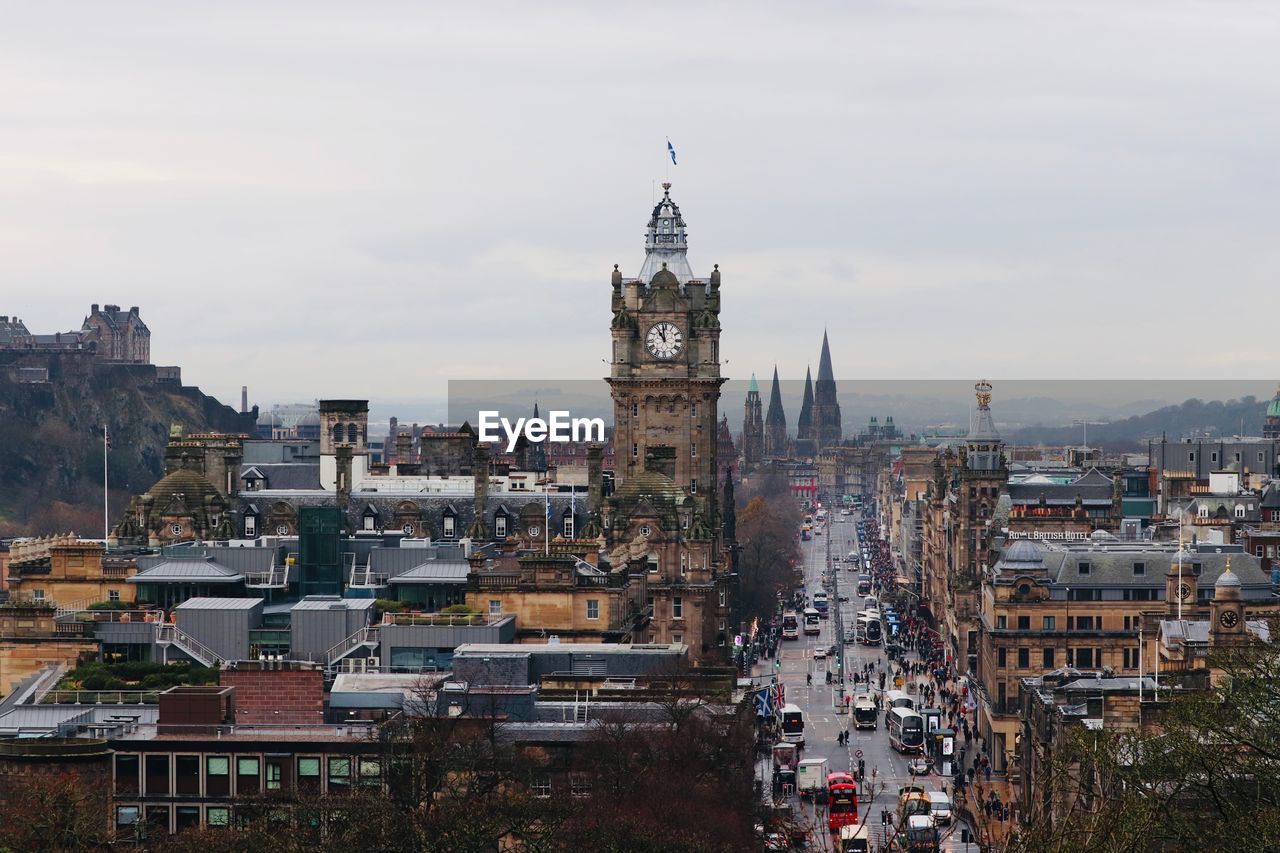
(67, 571)
(118, 335)
(193, 500)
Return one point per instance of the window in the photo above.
(126, 817)
(250, 527)
(1237, 456)
(724, 597)
(649, 602)
(593, 608)
(1191, 456)
(309, 774)
(1047, 659)
(157, 772)
(186, 772)
(1084, 658)
(500, 527)
(1203, 512)
(653, 568)
(1083, 568)
(448, 526)
(274, 775)
(1002, 657)
(1213, 457)
(1002, 622)
(1049, 623)
(37, 594)
(1139, 569)
(353, 434)
(635, 409)
(217, 816)
(1024, 623)
(568, 527)
(113, 595)
(677, 638)
(127, 767)
(693, 486)
(370, 772)
(186, 817)
(1196, 569)
(217, 776)
(1239, 511)
(677, 607)
(495, 607)
(1024, 658)
(635, 451)
(339, 775)
(542, 788)
(368, 522)
(693, 411)
(579, 784)
(247, 771)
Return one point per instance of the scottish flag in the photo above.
(764, 703)
(672, 151)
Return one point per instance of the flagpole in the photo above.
(106, 510)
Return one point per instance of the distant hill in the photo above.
(52, 407)
(1192, 417)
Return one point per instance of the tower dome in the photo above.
(1228, 580)
(666, 242)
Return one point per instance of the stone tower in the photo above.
(663, 516)
(752, 427)
(1226, 610)
(826, 422)
(775, 422)
(804, 426)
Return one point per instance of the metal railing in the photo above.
(444, 619)
(170, 633)
(101, 697)
(368, 635)
(277, 577)
(363, 577)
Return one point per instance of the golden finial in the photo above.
(983, 387)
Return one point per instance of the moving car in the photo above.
(820, 653)
(940, 805)
(918, 766)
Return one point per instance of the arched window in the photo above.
(337, 433)
(353, 433)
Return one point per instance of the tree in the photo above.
(59, 811)
(768, 553)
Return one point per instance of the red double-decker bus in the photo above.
(842, 801)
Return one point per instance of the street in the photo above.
(886, 769)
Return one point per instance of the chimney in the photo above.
(404, 449)
(95, 308)
(244, 396)
(480, 470)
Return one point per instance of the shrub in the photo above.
(461, 609)
(110, 605)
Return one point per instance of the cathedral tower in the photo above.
(752, 427)
(827, 426)
(775, 422)
(804, 426)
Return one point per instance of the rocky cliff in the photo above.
(52, 409)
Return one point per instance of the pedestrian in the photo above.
(987, 769)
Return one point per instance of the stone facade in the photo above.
(752, 428)
(67, 571)
(119, 335)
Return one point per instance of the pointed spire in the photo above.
(825, 373)
(804, 426)
(753, 388)
(775, 421)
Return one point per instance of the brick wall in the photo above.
(284, 693)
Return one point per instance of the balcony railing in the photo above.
(498, 580)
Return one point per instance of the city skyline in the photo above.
(279, 193)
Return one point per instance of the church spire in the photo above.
(775, 421)
(825, 373)
(804, 426)
(665, 241)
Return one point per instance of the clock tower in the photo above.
(663, 519)
(1180, 586)
(665, 365)
(1227, 609)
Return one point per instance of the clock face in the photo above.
(534, 530)
(175, 529)
(1184, 591)
(282, 530)
(1229, 619)
(407, 530)
(664, 340)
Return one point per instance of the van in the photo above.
(855, 839)
(811, 778)
(940, 807)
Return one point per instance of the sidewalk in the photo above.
(991, 830)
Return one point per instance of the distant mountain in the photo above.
(1193, 417)
(52, 408)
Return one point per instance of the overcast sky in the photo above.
(368, 199)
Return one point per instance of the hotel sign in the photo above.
(1048, 535)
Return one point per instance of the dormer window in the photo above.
(500, 527)
(1139, 569)
(449, 527)
(1083, 569)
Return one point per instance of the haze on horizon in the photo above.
(333, 200)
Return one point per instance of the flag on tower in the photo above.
(672, 151)
(106, 437)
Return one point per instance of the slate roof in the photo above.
(183, 569)
(332, 602)
(435, 571)
(211, 603)
(29, 719)
(285, 475)
(1114, 568)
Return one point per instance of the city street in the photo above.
(886, 769)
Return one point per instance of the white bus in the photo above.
(869, 627)
(865, 713)
(812, 621)
(790, 626)
(906, 731)
(899, 699)
(793, 725)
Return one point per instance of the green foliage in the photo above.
(387, 605)
(136, 674)
(459, 609)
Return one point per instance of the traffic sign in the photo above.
(857, 753)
